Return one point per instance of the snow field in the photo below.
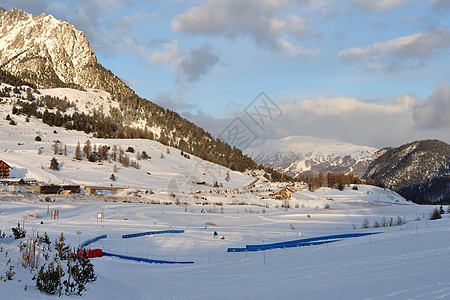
(409, 261)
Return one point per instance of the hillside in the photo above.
(420, 170)
(302, 155)
(47, 53)
(31, 159)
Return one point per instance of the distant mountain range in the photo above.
(419, 171)
(303, 155)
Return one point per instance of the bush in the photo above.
(144, 155)
(435, 215)
(365, 224)
(12, 122)
(355, 188)
(130, 149)
(18, 232)
(67, 273)
(37, 138)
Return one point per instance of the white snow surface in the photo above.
(408, 261)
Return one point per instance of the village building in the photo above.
(283, 194)
(4, 169)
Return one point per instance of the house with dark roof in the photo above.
(4, 169)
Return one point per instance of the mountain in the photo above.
(44, 52)
(419, 171)
(303, 155)
(51, 53)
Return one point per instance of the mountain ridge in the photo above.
(419, 171)
(307, 156)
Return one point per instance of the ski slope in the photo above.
(402, 262)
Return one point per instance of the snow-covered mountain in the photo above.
(420, 171)
(303, 155)
(51, 53)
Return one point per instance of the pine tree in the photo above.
(18, 232)
(78, 152)
(87, 149)
(54, 164)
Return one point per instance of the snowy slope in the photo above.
(20, 150)
(402, 262)
(303, 155)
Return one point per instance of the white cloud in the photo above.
(197, 62)
(379, 5)
(259, 20)
(435, 112)
(440, 7)
(403, 52)
(191, 64)
(172, 102)
(169, 55)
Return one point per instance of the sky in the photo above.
(374, 73)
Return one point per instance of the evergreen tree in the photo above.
(54, 164)
(18, 232)
(87, 148)
(78, 152)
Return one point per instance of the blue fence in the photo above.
(133, 235)
(302, 242)
(88, 242)
(264, 247)
(147, 260)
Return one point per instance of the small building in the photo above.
(54, 188)
(4, 169)
(70, 189)
(283, 194)
(103, 190)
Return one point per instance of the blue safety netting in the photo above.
(302, 242)
(88, 242)
(133, 235)
(147, 260)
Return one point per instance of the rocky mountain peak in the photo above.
(51, 53)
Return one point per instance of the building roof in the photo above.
(2, 161)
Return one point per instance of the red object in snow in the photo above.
(90, 253)
(222, 238)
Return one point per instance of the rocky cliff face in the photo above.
(420, 171)
(51, 53)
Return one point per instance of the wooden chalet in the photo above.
(283, 194)
(4, 169)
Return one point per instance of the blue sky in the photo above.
(369, 72)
